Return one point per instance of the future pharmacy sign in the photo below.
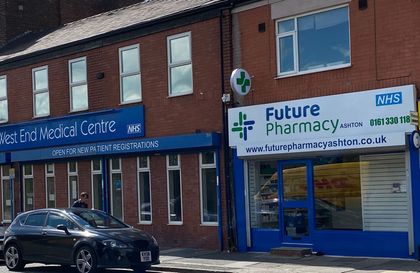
(374, 118)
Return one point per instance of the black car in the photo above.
(87, 239)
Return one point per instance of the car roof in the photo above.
(60, 210)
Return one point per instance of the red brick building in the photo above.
(322, 141)
(125, 105)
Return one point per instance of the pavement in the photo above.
(187, 260)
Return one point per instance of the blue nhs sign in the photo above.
(389, 99)
(92, 127)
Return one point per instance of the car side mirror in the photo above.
(63, 228)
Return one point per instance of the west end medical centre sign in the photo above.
(91, 127)
(375, 118)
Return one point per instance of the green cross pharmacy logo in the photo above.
(243, 126)
(240, 81)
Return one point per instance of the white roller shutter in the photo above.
(384, 192)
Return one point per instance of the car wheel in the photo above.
(13, 258)
(85, 260)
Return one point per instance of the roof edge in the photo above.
(106, 38)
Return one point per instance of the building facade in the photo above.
(323, 149)
(126, 106)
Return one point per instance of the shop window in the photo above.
(173, 166)
(180, 64)
(263, 194)
(130, 80)
(78, 84)
(208, 188)
(144, 190)
(6, 194)
(337, 193)
(116, 188)
(294, 182)
(73, 182)
(313, 42)
(28, 187)
(41, 98)
(50, 185)
(97, 184)
(4, 113)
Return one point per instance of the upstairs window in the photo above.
(130, 81)
(179, 64)
(4, 113)
(78, 85)
(313, 42)
(40, 90)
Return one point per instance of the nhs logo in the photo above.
(389, 99)
(134, 128)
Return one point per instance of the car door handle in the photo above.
(44, 233)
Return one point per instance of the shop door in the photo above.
(295, 184)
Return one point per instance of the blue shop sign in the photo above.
(146, 145)
(3, 158)
(106, 125)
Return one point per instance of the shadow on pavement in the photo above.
(40, 268)
(266, 260)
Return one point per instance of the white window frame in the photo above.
(71, 174)
(111, 192)
(122, 75)
(176, 64)
(92, 173)
(3, 178)
(4, 77)
(294, 35)
(48, 175)
(75, 84)
(168, 169)
(28, 176)
(139, 171)
(202, 167)
(35, 92)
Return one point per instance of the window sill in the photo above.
(4, 121)
(209, 224)
(324, 69)
(130, 102)
(180, 94)
(43, 116)
(175, 224)
(78, 111)
(145, 223)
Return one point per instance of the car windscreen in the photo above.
(98, 219)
